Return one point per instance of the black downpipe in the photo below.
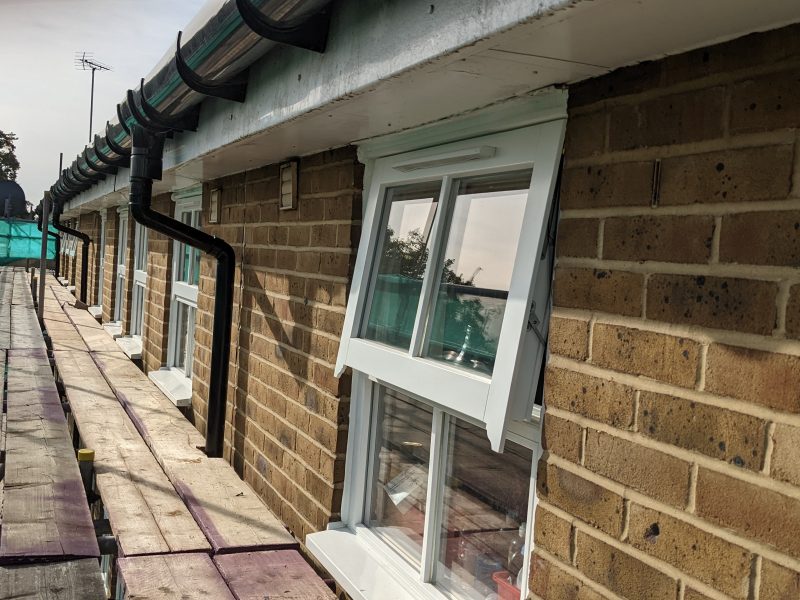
(146, 165)
(59, 206)
(57, 237)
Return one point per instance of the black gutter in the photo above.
(38, 213)
(57, 209)
(146, 165)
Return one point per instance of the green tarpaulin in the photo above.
(22, 239)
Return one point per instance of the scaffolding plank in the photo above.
(273, 574)
(172, 577)
(73, 580)
(63, 335)
(25, 330)
(145, 512)
(45, 512)
(22, 291)
(228, 511)
(94, 336)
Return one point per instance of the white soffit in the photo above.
(333, 106)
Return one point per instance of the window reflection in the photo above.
(400, 473)
(404, 252)
(483, 517)
(476, 269)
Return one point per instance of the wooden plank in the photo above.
(172, 577)
(145, 512)
(5, 325)
(167, 432)
(45, 512)
(21, 294)
(94, 336)
(275, 574)
(228, 511)
(73, 580)
(62, 332)
(25, 330)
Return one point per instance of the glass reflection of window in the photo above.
(475, 270)
(403, 256)
(189, 257)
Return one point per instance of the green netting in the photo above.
(21, 240)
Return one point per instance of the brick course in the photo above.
(671, 438)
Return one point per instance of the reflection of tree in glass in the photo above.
(460, 312)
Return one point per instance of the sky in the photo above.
(45, 100)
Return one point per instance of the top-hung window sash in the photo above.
(489, 400)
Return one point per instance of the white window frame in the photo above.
(102, 270)
(491, 401)
(190, 201)
(364, 563)
(139, 288)
(122, 247)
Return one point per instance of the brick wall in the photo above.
(88, 223)
(286, 431)
(672, 436)
(110, 270)
(159, 279)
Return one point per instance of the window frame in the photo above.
(102, 257)
(492, 402)
(191, 201)
(139, 280)
(122, 247)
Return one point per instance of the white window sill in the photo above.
(63, 280)
(131, 345)
(364, 571)
(174, 384)
(96, 311)
(71, 288)
(113, 328)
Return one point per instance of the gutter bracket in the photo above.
(122, 161)
(103, 168)
(311, 34)
(234, 90)
(94, 178)
(116, 148)
(121, 120)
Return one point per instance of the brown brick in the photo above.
(751, 510)
(716, 432)
(551, 582)
(778, 583)
(617, 292)
(768, 102)
(562, 438)
(786, 454)
(793, 313)
(599, 399)
(762, 238)
(638, 352)
(569, 337)
(691, 594)
(765, 378)
(586, 134)
(577, 237)
(600, 186)
(649, 471)
(746, 305)
(742, 175)
(622, 573)
(674, 119)
(552, 533)
(667, 238)
(587, 501)
(713, 561)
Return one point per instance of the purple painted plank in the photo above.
(273, 574)
(185, 576)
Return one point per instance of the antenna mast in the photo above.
(84, 61)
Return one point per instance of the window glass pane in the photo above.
(485, 504)
(137, 316)
(184, 337)
(407, 221)
(476, 269)
(400, 473)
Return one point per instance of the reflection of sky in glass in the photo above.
(487, 241)
(414, 212)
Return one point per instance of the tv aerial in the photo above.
(85, 61)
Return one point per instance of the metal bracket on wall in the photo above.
(311, 34)
(234, 90)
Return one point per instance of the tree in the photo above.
(9, 165)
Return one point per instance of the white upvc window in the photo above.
(139, 280)
(102, 258)
(445, 332)
(122, 246)
(175, 380)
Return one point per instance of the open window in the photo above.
(445, 333)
